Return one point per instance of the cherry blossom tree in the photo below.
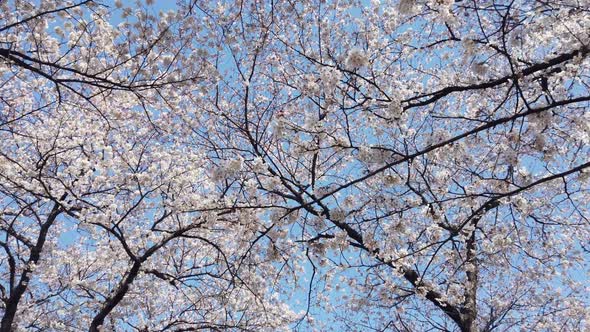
(429, 157)
(404, 165)
(109, 218)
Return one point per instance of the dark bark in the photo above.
(114, 300)
(17, 292)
